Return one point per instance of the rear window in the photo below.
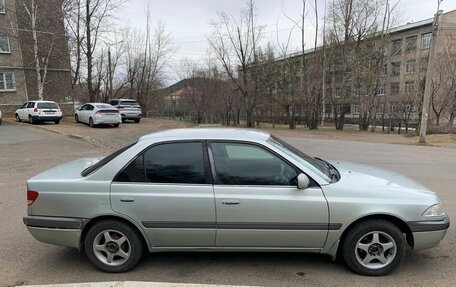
(47, 106)
(104, 106)
(104, 161)
(129, 103)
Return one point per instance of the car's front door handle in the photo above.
(231, 201)
(127, 200)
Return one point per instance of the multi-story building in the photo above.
(18, 76)
(402, 76)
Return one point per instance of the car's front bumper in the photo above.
(428, 234)
(61, 231)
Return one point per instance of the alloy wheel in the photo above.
(375, 250)
(112, 247)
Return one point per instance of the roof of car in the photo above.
(209, 133)
(37, 101)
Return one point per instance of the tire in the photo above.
(116, 125)
(132, 247)
(362, 244)
(57, 122)
(137, 120)
(124, 119)
(18, 119)
(91, 124)
(76, 118)
(31, 121)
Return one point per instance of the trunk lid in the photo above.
(69, 170)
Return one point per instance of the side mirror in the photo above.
(303, 181)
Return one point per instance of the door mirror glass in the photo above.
(303, 181)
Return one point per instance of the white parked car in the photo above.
(39, 111)
(97, 114)
(129, 109)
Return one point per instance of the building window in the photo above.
(7, 82)
(426, 40)
(397, 46)
(384, 70)
(412, 43)
(4, 44)
(396, 68)
(409, 87)
(408, 108)
(2, 6)
(410, 67)
(423, 64)
(355, 109)
(395, 88)
(381, 90)
(338, 92)
(393, 108)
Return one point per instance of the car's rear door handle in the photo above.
(231, 201)
(127, 200)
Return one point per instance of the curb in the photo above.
(133, 284)
(74, 136)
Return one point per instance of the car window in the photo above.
(247, 164)
(30, 105)
(47, 106)
(104, 161)
(175, 163)
(24, 106)
(83, 108)
(134, 172)
(129, 103)
(89, 108)
(113, 102)
(104, 106)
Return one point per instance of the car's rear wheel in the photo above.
(91, 124)
(113, 246)
(116, 125)
(76, 118)
(57, 122)
(374, 247)
(31, 121)
(137, 120)
(18, 119)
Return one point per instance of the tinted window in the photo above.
(129, 103)
(89, 108)
(30, 105)
(175, 163)
(244, 164)
(113, 102)
(47, 106)
(134, 172)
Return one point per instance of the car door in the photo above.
(167, 189)
(80, 113)
(21, 111)
(258, 203)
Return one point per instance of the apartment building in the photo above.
(18, 76)
(402, 77)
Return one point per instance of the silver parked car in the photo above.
(97, 114)
(230, 190)
(129, 109)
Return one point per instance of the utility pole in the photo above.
(109, 73)
(429, 75)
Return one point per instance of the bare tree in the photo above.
(235, 45)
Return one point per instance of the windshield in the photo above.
(313, 164)
(105, 107)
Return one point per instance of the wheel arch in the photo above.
(100, 218)
(402, 225)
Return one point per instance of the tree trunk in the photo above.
(89, 53)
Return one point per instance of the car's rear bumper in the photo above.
(131, 115)
(61, 231)
(428, 234)
(46, 118)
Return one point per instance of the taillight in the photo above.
(31, 197)
(35, 110)
(98, 112)
(121, 107)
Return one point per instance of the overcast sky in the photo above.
(188, 20)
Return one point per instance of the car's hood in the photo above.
(360, 174)
(69, 170)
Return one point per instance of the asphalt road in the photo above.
(25, 151)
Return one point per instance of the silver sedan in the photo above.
(230, 190)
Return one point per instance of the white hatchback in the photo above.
(98, 113)
(39, 111)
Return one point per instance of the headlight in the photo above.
(434, 211)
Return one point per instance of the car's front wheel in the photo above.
(91, 124)
(113, 246)
(374, 247)
(76, 118)
(18, 119)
